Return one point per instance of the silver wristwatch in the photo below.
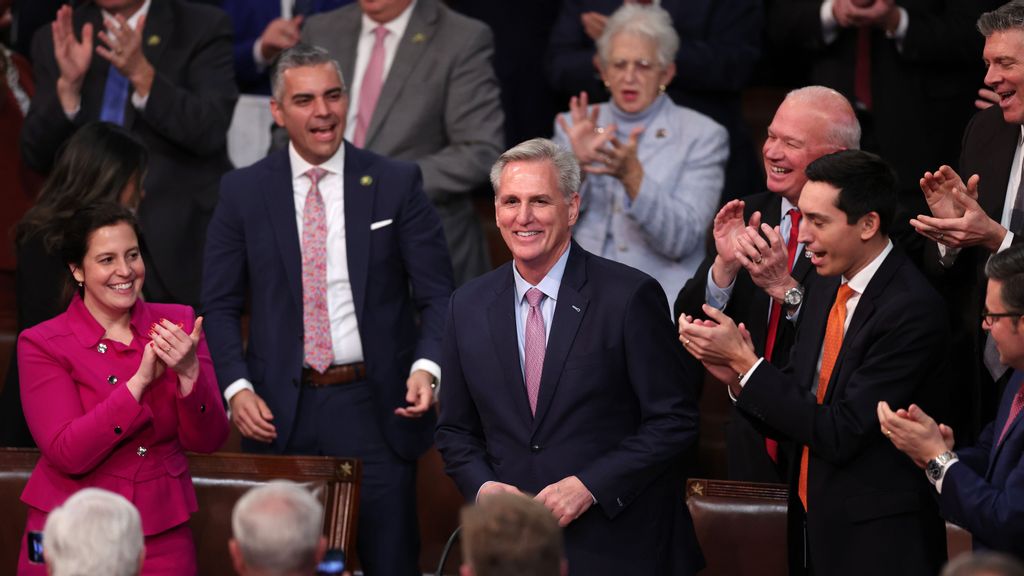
(937, 466)
(793, 297)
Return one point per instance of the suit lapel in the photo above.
(159, 28)
(418, 35)
(279, 197)
(1003, 414)
(1003, 146)
(502, 324)
(812, 330)
(360, 189)
(570, 309)
(865, 310)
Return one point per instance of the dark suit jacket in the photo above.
(870, 508)
(745, 448)
(988, 147)
(930, 84)
(249, 19)
(983, 491)
(439, 107)
(616, 408)
(184, 125)
(253, 249)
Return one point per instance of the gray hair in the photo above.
(646, 21)
(300, 56)
(537, 150)
(278, 527)
(983, 563)
(1009, 16)
(844, 128)
(93, 532)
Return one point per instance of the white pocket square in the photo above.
(380, 224)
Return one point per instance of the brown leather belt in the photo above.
(335, 375)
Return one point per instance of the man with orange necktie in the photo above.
(868, 332)
(765, 295)
(979, 486)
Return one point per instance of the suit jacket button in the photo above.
(117, 430)
(101, 348)
(112, 379)
(202, 408)
(535, 448)
(141, 451)
(619, 502)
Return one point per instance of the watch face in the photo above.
(934, 469)
(793, 297)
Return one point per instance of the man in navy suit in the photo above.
(563, 379)
(980, 486)
(326, 241)
(868, 332)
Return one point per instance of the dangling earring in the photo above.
(661, 88)
(607, 85)
(80, 284)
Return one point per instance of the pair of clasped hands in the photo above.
(121, 46)
(169, 347)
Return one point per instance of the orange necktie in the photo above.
(830, 351)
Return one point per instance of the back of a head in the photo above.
(277, 527)
(511, 535)
(984, 563)
(93, 532)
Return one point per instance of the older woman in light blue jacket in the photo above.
(653, 170)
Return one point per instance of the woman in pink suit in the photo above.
(115, 390)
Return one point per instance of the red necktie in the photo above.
(369, 91)
(534, 347)
(776, 314)
(830, 351)
(1015, 408)
(316, 321)
(862, 68)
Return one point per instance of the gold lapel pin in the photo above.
(661, 133)
(153, 40)
(366, 180)
(419, 38)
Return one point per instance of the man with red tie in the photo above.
(979, 486)
(810, 122)
(868, 332)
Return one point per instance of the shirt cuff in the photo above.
(257, 55)
(236, 387)
(947, 255)
(139, 102)
(746, 377)
(829, 26)
(1007, 242)
(717, 297)
(434, 370)
(901, 29)
(73, 113)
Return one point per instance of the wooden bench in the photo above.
(741, 527)
(220, 480)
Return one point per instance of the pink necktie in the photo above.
(1015, 408)
(534, 346)
(373, 79)
(316, 322)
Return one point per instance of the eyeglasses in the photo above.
(642, 66)
(990, 318)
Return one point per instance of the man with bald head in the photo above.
(765, 292)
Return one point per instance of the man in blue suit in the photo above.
(326, 241)
(563, 379)
(980, 487)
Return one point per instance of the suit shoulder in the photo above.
(694, 121)
(56, 327)
(610, 273)
(323, 22)
(192, 17)
(988, 123)
(373, 161)
(483, 286)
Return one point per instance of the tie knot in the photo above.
(794, 215)
(315, 174)
(380, 32)
(534, 296)
(844, 294)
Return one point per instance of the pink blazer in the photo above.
(92, 432)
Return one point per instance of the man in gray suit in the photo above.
(423, 91)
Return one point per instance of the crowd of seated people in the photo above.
(860, 298)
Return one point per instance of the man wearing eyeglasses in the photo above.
(980, 487)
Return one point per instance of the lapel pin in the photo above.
(575, 307)
(419, 38)
(153, 40)
(366, 180)
(661, 133)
